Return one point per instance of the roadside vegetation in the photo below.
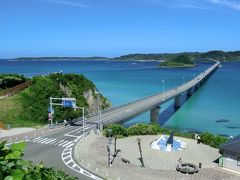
(30, 107)
(154, 129)
(13, 167)
(11, 80)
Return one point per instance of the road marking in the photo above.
(77, 131)
(70, 163)
(64, 142)
(41, 140)
(58, 142)
(52, 140)
(36, 139)
(67, 144)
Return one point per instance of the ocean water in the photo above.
(214, 107)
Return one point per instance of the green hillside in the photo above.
(179, 61)
(30, 107)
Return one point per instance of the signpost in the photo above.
(65, 102)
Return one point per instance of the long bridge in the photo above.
(152, 103)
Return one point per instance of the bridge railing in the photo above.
(195, 80)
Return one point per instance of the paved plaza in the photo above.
(91, 153)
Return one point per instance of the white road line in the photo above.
(44, 139)
(64, 142)
(35, 139)
(52, 140)
(67, 144)
(43, 142)
(58, 142)
(70, 135)
(77, 130)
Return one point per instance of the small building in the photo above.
(231, 154)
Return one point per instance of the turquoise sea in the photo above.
(214, 107)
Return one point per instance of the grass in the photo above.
(10, 109)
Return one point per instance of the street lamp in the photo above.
(183, 79)
(163, 86)
(98, 108)
(83, 120)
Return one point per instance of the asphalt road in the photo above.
(133, 109)
(48, 149)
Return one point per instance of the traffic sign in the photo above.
(49, 116)
(51, 110)
(67, 103)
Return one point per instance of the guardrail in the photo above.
(189, 84)
(13, 90)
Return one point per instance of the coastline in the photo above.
(183, 66)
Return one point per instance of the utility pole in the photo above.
(115, 145)
(98, 108)
(51, 111)
(109, 158)
(140, 150)
(83, 120)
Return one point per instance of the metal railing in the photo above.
(189, 84)
(13, 90)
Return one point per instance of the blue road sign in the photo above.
(67, 103)
(50, 110)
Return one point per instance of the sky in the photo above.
(116, 27)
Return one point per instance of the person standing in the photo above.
(179, 162)
(198, 139)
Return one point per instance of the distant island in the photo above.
(179, 61)
(216, 54)
(62, 58)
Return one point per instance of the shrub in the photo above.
(153, 129)
(117, 130)
(13, 167)
(213, 141)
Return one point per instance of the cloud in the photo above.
(187, 4)
(229, 3)
(67, 3)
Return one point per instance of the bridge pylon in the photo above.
(177, 102)
(154, 114)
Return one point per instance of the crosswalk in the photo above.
(52, 141)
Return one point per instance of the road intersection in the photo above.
(56, 150)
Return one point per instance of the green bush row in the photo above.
(11, 80)
(13, 167)
(212, 140)
(154, 129)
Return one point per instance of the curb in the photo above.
(69, 160)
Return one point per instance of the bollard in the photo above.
(200, 165)
(106, 174)
(96, 169)
(82, 160)
(119, 178)
(35, 134)
(88, 165)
